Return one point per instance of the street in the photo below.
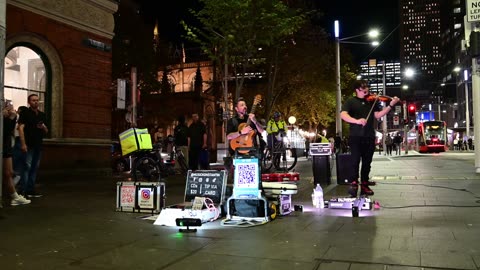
(428, 219)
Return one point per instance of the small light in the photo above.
(465, 74)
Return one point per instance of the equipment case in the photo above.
(140, 197)
(344, 167)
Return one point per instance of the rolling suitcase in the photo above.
(344, 167)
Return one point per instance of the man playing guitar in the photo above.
(242, 116)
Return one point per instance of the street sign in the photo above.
(396, 120)
(473, 10)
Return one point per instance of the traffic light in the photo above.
(412, 109)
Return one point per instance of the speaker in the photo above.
(321, 170)
(344, 166)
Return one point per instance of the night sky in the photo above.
(356, 17)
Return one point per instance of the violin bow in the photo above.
(371, 109)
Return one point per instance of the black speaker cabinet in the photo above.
(344, 166)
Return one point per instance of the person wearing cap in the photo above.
(275, 126)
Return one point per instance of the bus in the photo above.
(432, 136)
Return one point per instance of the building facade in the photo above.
(61, 50)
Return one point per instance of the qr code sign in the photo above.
(246, 174)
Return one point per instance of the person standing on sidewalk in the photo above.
(9, 121)
(360, 113)
(180, 133)
(197, 141)
(31, 130)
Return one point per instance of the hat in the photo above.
(276, 114)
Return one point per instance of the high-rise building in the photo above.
(420, 38)
(372, 71)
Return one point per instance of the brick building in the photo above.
(61, 50)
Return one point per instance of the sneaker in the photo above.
(353, 189)
(365, 190)
(34, 195)
(20, 200)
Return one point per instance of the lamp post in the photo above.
(409, 73)
(338, 40)
(467, 111)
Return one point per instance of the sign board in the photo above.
(396, 120)
(246, 178)
(398, 109)
(473, 10)
(206, 183)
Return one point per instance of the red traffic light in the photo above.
(411, 108)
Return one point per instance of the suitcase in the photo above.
(281, 177)
(279, 188)
(140, 197)
(344, 167)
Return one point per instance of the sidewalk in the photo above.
(423, 223)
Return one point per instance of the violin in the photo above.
(382, 98)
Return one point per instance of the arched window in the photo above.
(25, 74)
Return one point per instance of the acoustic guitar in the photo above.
(246, 140)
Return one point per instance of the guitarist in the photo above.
(240, 117)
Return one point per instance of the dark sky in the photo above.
(358, 17)
(355, 16)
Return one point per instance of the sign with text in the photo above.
(396, 120)
(127, 196)
(473, 10)
(206, 183)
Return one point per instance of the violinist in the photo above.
(359, 111)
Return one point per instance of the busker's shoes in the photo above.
(369, 183)
(353, 189)
(365, 190)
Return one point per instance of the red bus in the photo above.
(432, 136)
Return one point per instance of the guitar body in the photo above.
(245, 140)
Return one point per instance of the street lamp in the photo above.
(467, 112)
(338, 40)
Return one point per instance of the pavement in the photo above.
(429, 218)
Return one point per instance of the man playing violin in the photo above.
(360, 112)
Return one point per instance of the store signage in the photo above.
(97, 45)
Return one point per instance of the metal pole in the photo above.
(467, 111)
(384, 122)
(439, 109)
(405, 128)
(476, 111)
(133, 77)
(3, 33)
(339, 89)
(225, 97)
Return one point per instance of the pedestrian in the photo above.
(197, 141)
(9, 121)
(180, 133)
(359, 112)
(236, 130)
(275, 129)
(31, 130)
(389, 144)
(398, 144)
(18, 157)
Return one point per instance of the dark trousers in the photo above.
(362, 149)
(194, 157)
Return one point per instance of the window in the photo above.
(24, 75)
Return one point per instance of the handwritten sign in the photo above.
(206, 183)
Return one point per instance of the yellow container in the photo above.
(134, 139)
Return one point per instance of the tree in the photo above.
(238, 29)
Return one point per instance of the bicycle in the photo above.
(149, 166)
(180, 158)
(281, 156)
